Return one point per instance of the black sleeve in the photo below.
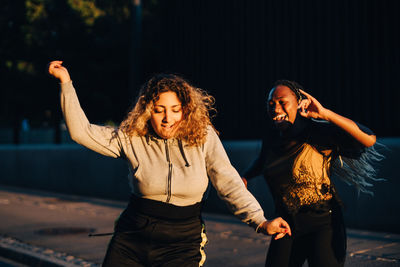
(256, 168)
(332, 136)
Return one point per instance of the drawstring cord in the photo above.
(150, 138)
(100, 234)
(183, 153)
(122, 232)
(111, 233)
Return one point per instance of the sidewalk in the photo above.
(48, 229)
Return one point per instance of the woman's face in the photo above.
(282, 106)
(166, 114)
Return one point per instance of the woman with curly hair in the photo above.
(173, 152)
(305, 144)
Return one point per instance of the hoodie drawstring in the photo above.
(149, 139)
(183, 153)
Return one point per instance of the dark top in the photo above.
(296, 166)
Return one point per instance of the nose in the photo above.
(276, 108)
(167, 116)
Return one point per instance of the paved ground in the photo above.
(47, 229)
(4, 262)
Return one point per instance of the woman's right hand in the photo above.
(277, 227)
(58, 71)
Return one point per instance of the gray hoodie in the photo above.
(165, 169)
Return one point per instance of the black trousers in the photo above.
(319, 238)
(144, 236)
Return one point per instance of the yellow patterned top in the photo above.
(310, 183)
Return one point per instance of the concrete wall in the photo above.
(72, 169)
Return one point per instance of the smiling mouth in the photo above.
(168, 127)
(280, 118)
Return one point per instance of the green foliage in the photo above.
(35, 10)
(87, 10)
(92, 37)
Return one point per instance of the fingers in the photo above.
(304, 113)
(282, 226)
(306, 94)
(286, 226)
(283, 229)
(279, 236)
(278, 225)
(54, 64)
(305, 103)
(303, 106)
(312, 100)
(57, 70)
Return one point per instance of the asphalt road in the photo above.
(48, 229)
(4, 262)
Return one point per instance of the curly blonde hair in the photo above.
(196, 107)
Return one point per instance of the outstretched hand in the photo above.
(311, 108)
(278, 227)
(57, 70)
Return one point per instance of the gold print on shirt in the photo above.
(310, 182)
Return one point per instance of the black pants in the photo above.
(319, 238)
(144, 239)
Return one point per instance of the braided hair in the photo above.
(293, 86)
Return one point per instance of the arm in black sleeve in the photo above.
(346, 141)
(257, 167)
(330, 135)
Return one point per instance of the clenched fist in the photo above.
(57, 70)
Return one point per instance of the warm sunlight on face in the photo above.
(166, 115)
(282, 106)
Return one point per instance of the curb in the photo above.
(37, 256)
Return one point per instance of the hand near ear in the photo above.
(311, 108)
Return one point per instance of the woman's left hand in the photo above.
(311, 108)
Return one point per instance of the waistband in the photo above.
(163, 210)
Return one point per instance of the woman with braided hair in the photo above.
(304, 145)
(173, 152)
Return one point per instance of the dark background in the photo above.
(345, 53)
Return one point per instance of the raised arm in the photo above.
(102, 139)
(311, 108)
